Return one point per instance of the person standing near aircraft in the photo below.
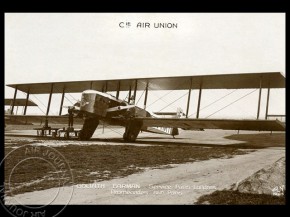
(70, 116)
(132, 100)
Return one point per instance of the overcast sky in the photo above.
(63, 47)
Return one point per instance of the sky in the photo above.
(51, 47)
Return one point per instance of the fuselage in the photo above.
(111, 110)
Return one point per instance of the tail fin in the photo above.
(179, 113)
(167, 130)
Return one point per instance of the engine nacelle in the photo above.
(94, 102)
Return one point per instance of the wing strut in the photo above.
(49, 100)
(61, 102)
(199, 99)
(188, 99)
(135, 90)
(118, 90)
(26, 102)
(129, 97)
(259, 100)
(105, 87)
(146, 95)
(267, 105)
(13, 103)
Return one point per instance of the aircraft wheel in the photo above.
(66, 135)
(125, 137)
(53, 134)
(132, 131)
(88, 129)
(132, 137)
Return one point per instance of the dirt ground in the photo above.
(155, 170)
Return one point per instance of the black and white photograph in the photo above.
(143, 108)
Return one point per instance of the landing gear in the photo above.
(89, 128)
(174, 132)
(132, 130)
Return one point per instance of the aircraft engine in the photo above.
(94, 103)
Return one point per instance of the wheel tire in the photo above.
(88, 129)
(131, 132)
(132, 137)
(66, 135)
(125, 137)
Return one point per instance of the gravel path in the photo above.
(178, 185)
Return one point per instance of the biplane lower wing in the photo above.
(98, 106)
(40, 119)
(225, 124)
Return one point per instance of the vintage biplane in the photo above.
(97, 105)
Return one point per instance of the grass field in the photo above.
(102, 162)
(263, 140)
(97, 162)
(228, 197)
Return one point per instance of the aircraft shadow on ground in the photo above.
(248, 141)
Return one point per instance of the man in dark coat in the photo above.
(70, 117)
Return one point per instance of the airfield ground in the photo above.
(157, 169)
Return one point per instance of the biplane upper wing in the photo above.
(226, 124)
(222, 81)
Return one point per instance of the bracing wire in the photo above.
(114, 130)
(173, 102)
(72, 97)
(214, 102)
(38, 100)
(107, 125)
(163, 101)
(67, 97)
(38, 105)
(127, 97)
(231, 103)
(140, 97)
(160, 98)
